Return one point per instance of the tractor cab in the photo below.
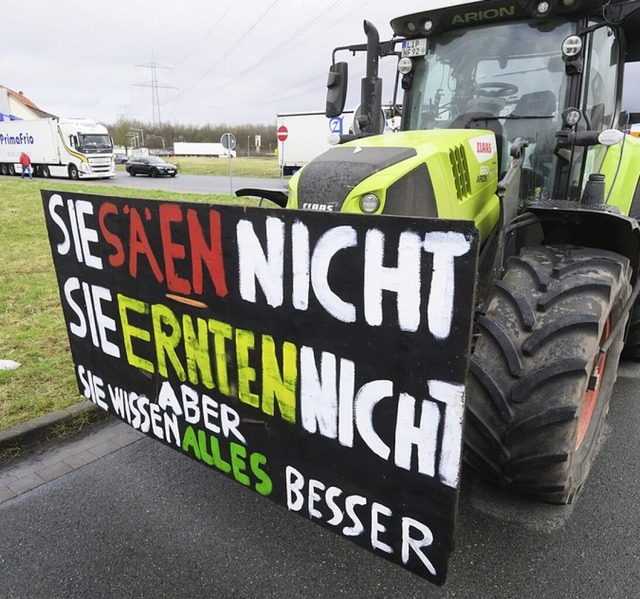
(508, 78)
(545, 75)
(529, 78)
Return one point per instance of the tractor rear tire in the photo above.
(539, 386)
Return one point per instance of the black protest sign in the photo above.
(318, 359)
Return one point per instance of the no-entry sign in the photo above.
(283, 133)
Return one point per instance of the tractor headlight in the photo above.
(543, 7)
(405, 65)
(572, 46)
(369, 203)
(571, 116)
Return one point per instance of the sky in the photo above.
(216, 61)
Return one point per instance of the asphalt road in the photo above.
(148, 522)
(187, 183)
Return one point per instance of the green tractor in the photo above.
(511, 118)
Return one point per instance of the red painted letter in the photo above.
(139, 244)
(117, 258)
(210, 254)
(171, 213)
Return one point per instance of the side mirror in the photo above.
(337, 89)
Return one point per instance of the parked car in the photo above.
(121, 158)
(152, 166)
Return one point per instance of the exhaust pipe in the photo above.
(370, 121)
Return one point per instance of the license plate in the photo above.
(413, 48)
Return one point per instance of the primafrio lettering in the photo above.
(16, 140)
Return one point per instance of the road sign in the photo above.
(228, 141)
(283, 133)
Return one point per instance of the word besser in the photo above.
(331, 505)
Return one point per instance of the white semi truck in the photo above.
(57, 147)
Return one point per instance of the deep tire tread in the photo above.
(532, 462)
(489, 435)
(538, 272)
(531, 425)
(538, 339)
(521, 301)
(572, 285)
(509, 350)
(559, 327)
(493, 390)
(540, 376)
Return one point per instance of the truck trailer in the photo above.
(309, 134)
(189, 148)
(58, 147)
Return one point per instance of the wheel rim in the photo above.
(591, 395)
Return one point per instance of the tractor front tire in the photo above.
(539, 384)
(631, 350)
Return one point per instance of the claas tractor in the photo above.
(511, 117)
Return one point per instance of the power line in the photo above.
(208, 34)
(286, 42)
(308, 85)
(232, 47)
(303, 87)
(279, 47)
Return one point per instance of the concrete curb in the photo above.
(27, 436)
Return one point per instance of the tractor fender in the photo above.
(570, 223)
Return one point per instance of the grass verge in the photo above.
(32, 330)
(262, 167)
